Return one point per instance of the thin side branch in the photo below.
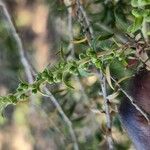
(132, 101)
(68, 4)
(84, 21)
(71, 44)
(65, 118)
(107, 111)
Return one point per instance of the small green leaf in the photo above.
(105, 37)
(23, 85)
(19, 89)
(39, 77)
(134, 3)
(66, 79)
(35, 87)
(143, 2)
(113, 95)
(73, 70)
(98, 64)
(136, 25)
(146, 15)
(91, 53)
(82, 56)
(79, 41)
(13, 98)
(68, 84)
(137, 12)
(62, 53)
(23, 96)
(5, 101)
(62, 65)
(108, 77)
(123, 79)
(120, 22)
(45, 74)
(78, 119)
(139, 3)
(105, 45)
(34, 91)
(148, 33)
(59, 76)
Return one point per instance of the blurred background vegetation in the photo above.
(43, 28)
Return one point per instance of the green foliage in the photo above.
(141, 12)
(106, 53)
(136, 25)
(5, 101)
(63, 71)
(139, 3)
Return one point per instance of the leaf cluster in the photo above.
(62, 72)
(141, 12)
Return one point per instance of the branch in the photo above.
(16, 36)
(68, 4)
(84, 21)
(107, 110)
(12, 29)
(145, 115)
(29, 72)
(64, 116)
(61, 112)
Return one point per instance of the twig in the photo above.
(71, 44)
(68, 4)
(18, 40)
(65, 118)
(132, 101)
(142, 55)
(61, 112)
(47, 118)
(16, 36)
(84, 21)
(107, 111)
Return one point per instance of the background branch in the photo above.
(30, 74)
(84, 21)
